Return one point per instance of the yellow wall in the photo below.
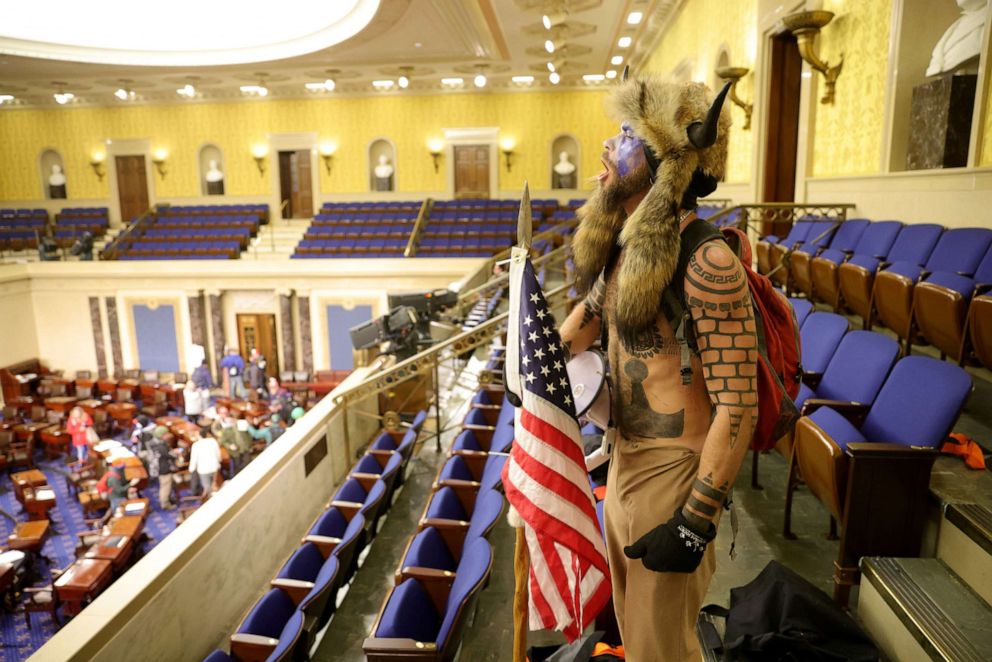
(532, 118)
(848, 135)
(699, 32)
(985, 157)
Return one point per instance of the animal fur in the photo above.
(659, 113)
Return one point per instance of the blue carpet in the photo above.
(67, 518)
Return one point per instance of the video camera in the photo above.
(428, 305)
(398, 329)
(83, 247)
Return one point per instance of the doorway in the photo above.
(132, 186)
(471, 171)
(783, 127)
(259, 330)
(296, 183)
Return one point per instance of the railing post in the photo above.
(437, 404)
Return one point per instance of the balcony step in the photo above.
(917, 609)
(965, 545)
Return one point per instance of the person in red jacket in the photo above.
(78, 426)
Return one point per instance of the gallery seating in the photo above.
(843, 241)
(819, 337)
(193, 232)
(875, 243)
(311, 581)
(272, 630)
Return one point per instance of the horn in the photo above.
(626, 73)
(703, 134)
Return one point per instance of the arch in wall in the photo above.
(378, 148)
(568, 144)
(210, 152)
(50, 185)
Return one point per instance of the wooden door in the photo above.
(471, 171)
(259, 330)
(296, 183)
(783, 126)
(132, 186)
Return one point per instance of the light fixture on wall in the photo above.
(805, 25)
(158, 158)
(734, 74)
(97, 160)
(327, 150)
(259, 152)
(506, 145)
(434, 146)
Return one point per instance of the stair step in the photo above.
(965, 545)
(947, 620)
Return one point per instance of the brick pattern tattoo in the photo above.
(593, 303)
(725, 333)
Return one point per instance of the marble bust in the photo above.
(56, 183)
(564, 172)
(962, 41)
(383, 172)
(215, 179)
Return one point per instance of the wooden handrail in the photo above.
(418, 228)
(785, 211)
(110, 250)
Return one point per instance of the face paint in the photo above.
(628, 151)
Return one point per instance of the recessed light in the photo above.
(479, 80)
(549, 46)
(124, 95)
(255, 90)
(523, 80)
(546, 20)
(187, 91)
(5, 98)
(327, 86)
(452, 82)
(611, 74)
(624, 42)
(635, 17)
(554, 78)
(403, 82)
(382, 84)
(551, 67)
(593, 78)
(417, 44)
(616, 60)
(63, 98)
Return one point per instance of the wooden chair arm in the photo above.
(475, 427)
(325, 544)
(296, 589)
(812, 379)
(391, 647)
(252, 647)
(366, 480)
(852, 411)
(381, 456)
(348, 508)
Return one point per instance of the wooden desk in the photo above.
(131, 385)
(106, 385)
(133, 468)
(90, 406)
(170, 421)
(51, 380)
(242, 409)
(134, 508)
(29, 431)
(61, 404)
(115, 548)
(122, 413)
(128, 525)
(22, 479)
(29, 536)
(85, 383)
(83, 581)
(22, 404)
(38, 501)
(56, 441)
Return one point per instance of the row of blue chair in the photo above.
(206, 220)
(214, 209)
(310, 254)
(22, 222)
(483, 309)
(23, 213)
(303, 596)
(196, 232)
(354, 245)
(360, 230)
(448, 561)
(336, 207)
(371, 217)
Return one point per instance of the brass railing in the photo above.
(418, 228)
(751, 215)
(109, 251)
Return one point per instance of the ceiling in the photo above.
(423, 40)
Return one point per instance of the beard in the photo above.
(612, 196)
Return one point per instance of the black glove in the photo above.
(675, 546)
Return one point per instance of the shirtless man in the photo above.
(679, 445)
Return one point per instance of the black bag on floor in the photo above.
(781, 616)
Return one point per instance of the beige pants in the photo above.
(656, 611)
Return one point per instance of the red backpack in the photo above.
(779, 364)
(102, 488)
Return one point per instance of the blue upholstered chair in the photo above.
(819, 337)
(311, 581)
(844, 239)
(425, 616)
(875, 243)
(802, 308)
(959, 251)
(378, 466)
(272, 630)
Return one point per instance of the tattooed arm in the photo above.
(717, 294)
(581, 329)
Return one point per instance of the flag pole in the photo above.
(521, 559)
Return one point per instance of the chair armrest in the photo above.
(382, 648)
(812, 379)
(457, 484)
(251, 647)
(982, 288)
(889, 451)
(470, 454)
(852, 411)
(296, 589)
(37, 589)
(381, 456)
(475, 427)
(348, 508)
(436, 583)
(325, 544)
(91, 532)
(366, 480)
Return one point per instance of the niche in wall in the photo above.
(211, 162)
(382, 165)
(53, 181)
(934, 118)
(564, 162)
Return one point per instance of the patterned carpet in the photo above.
(67, 519)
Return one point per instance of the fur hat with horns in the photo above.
(687, 131)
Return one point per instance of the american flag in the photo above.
(545, 478)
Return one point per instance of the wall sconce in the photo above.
(259, 152)
(96, 161)
(507, 145)
(734, 74)
(805, 25)
(327, 150)
(435, 146)
(158, 158)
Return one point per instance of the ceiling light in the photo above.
(254, 90)
(551, 67)
(382, 84)
(124, 95)
(5, 98)
(624, 42)
(479, 80)
(616, 60)
(523, 80)
(63, 98)
(611, 74)
(403, 82)
(554, 19)
(187, 91)
(554, 78)
(546, 20)
(452, 82)
(635, 17)
(327, 86)
(549, 46)
(593, 78)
